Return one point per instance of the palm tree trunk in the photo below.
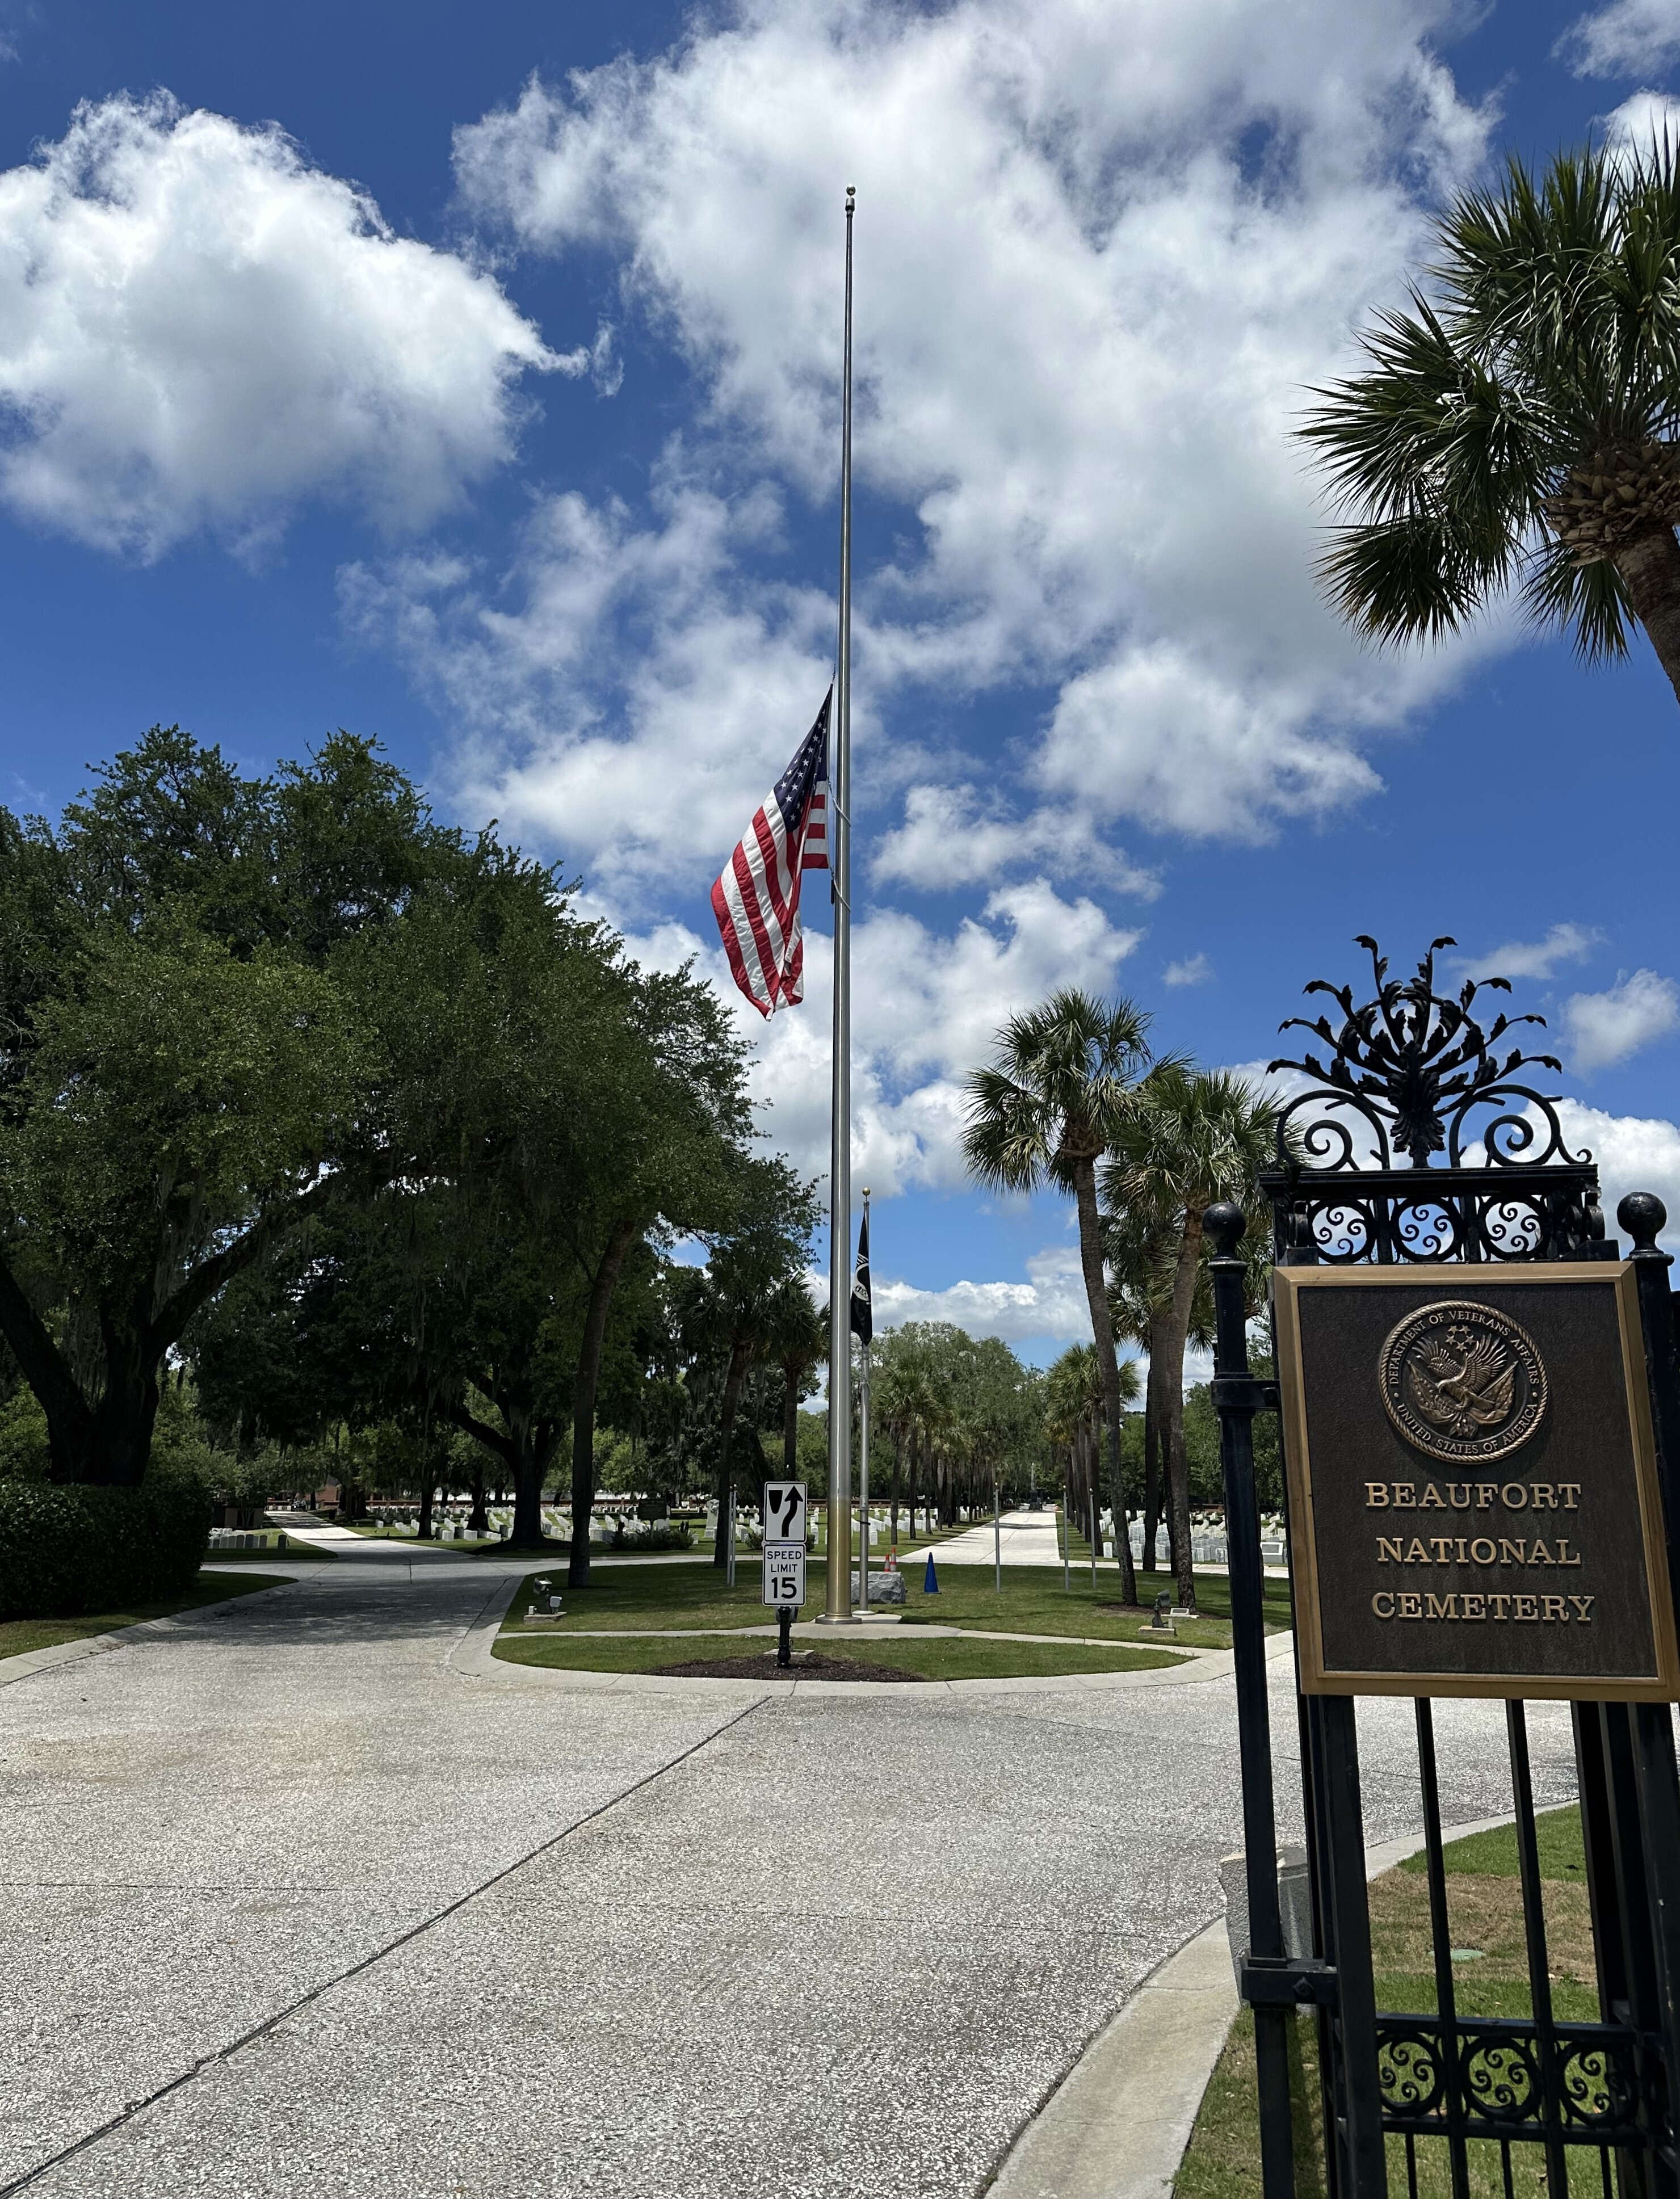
(1102, 1327)
(1178, 1464)
(1649, 566)
(1154, 1446)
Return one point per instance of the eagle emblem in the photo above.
(1463, 1381)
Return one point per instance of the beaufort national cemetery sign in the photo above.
(1474, 1492)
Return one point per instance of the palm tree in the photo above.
(1198, 1136)
(1520, 426)
(1061, 1089)
(1073, 1402)
(794, 1339)
(1140, 1247)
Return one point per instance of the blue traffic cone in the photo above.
(929, 1578)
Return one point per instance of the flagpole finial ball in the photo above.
(865, 1191)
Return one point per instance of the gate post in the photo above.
(1443, 1292)
(1237, 1397)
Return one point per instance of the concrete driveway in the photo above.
(305, 1894)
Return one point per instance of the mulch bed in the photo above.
(817, 1665)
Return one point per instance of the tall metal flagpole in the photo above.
(838, 1608)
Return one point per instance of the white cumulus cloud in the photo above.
(925, 1009)
(1193, 970)
(1634, 1154)
(1535, 958)
(1049, 1307)
(197, 329)
(1625, 38)
(1605, 1028)
(1101, 252)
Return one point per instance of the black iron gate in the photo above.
(1434, 2094)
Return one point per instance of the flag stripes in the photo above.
(756, 899)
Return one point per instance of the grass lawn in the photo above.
(1490, 1978)
(1032, 1601)
(17, 1635)
(936, 1659)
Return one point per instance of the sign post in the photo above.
(782, 1582)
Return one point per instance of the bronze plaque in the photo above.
(1473, 1504)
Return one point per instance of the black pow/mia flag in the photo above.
(863, 1308)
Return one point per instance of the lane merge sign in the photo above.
(784, 1557)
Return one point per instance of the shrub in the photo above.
(23, 1437)
(651, 1538)
(68, 1546)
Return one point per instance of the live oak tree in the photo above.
(1517, 428)
(571, 1112)
(188, 1073)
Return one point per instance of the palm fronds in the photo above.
(1516, 424)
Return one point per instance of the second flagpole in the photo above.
(837, 1608)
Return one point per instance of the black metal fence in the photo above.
(1463, 2103)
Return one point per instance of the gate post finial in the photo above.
(1644, 1216)
(1226, 1223)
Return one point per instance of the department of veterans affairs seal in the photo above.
(1463, 1382)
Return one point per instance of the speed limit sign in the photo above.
(783, 1571)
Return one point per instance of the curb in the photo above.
(475, 1654)
(28, 1662)
(1117, 2125)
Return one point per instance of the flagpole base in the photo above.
(836, 1618)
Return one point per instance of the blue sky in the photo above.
(466, 377)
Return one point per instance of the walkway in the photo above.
(306, 1895)
(1028, 1538)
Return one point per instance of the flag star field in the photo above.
(469, 378)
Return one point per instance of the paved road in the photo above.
(305, 1894)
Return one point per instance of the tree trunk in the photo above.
(478, 1519)
(1152, 1476)
(1178, 1466)
(790, 1422)
(428, 1489)
(534, 1446)
(111, 1443)
(731, 1398)
(1649, 566)
(601, 1290)
(898, 1455)
(1102, 1327)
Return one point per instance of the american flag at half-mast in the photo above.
(756, 900)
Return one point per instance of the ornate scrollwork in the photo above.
(1484, 2079)
(1412, 1072)
(1411, 1065)
(1409, 2067)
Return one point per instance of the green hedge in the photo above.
(67, 1548)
